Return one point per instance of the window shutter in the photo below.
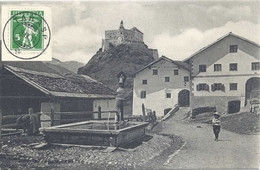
(212, 87)
(222, 87)
(198, 88)
(207, 87)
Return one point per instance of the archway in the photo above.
(184, 98)
(252, 88)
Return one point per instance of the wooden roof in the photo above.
(52, 84)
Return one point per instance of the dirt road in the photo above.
(201, 151)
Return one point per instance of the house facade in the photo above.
(225, 74)
(160, 86)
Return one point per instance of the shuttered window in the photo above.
(202, 87)
(217, 86)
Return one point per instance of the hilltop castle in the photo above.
(133, 37)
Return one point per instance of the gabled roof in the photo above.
(218, 40)
(135, 29)
(61, 86)
(178, 63)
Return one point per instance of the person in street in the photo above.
(216, 124)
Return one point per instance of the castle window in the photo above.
(233, 86)
(166, 79)
(233, 67)
(202, 68)
(144, 81)
(168, 95)
(143, 94)
(217, 67)
(186, 78)
(155, 72)
(233, 48)
(175, 71)
(256, 66)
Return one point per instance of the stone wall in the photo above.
(220, 102)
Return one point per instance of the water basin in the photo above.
(99, 133)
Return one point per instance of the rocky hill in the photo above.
(104, 66)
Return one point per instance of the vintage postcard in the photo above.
(130, 84)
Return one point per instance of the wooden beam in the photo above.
(23, 97)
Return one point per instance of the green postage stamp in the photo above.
(26, 33)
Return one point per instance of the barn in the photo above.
(80, 95)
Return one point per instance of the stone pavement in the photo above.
(201, 151)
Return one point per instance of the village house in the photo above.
(225, 74)
(22, 89)
(161, 85)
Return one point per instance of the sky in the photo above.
(176, 28)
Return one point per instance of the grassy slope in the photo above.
(241, 123)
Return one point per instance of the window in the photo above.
(233, 86)
(233, 67)
(233, 48)
(186, 78)
(217, 86)
(217, 67)
(168, 95)
(143, 94)
(155, 72)
(202, 68)
(144, 81)
(202, 87)
(167, 79)
(255, 66)
(176, 72)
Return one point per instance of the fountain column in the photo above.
(120, 97)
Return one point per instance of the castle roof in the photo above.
(135, 29)
(218, 40)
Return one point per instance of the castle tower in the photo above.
(121, 25)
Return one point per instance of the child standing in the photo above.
(216, 124)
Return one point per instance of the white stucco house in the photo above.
(225, 74)
(161, 85)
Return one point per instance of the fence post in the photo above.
(99, 113)
(143, 110)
